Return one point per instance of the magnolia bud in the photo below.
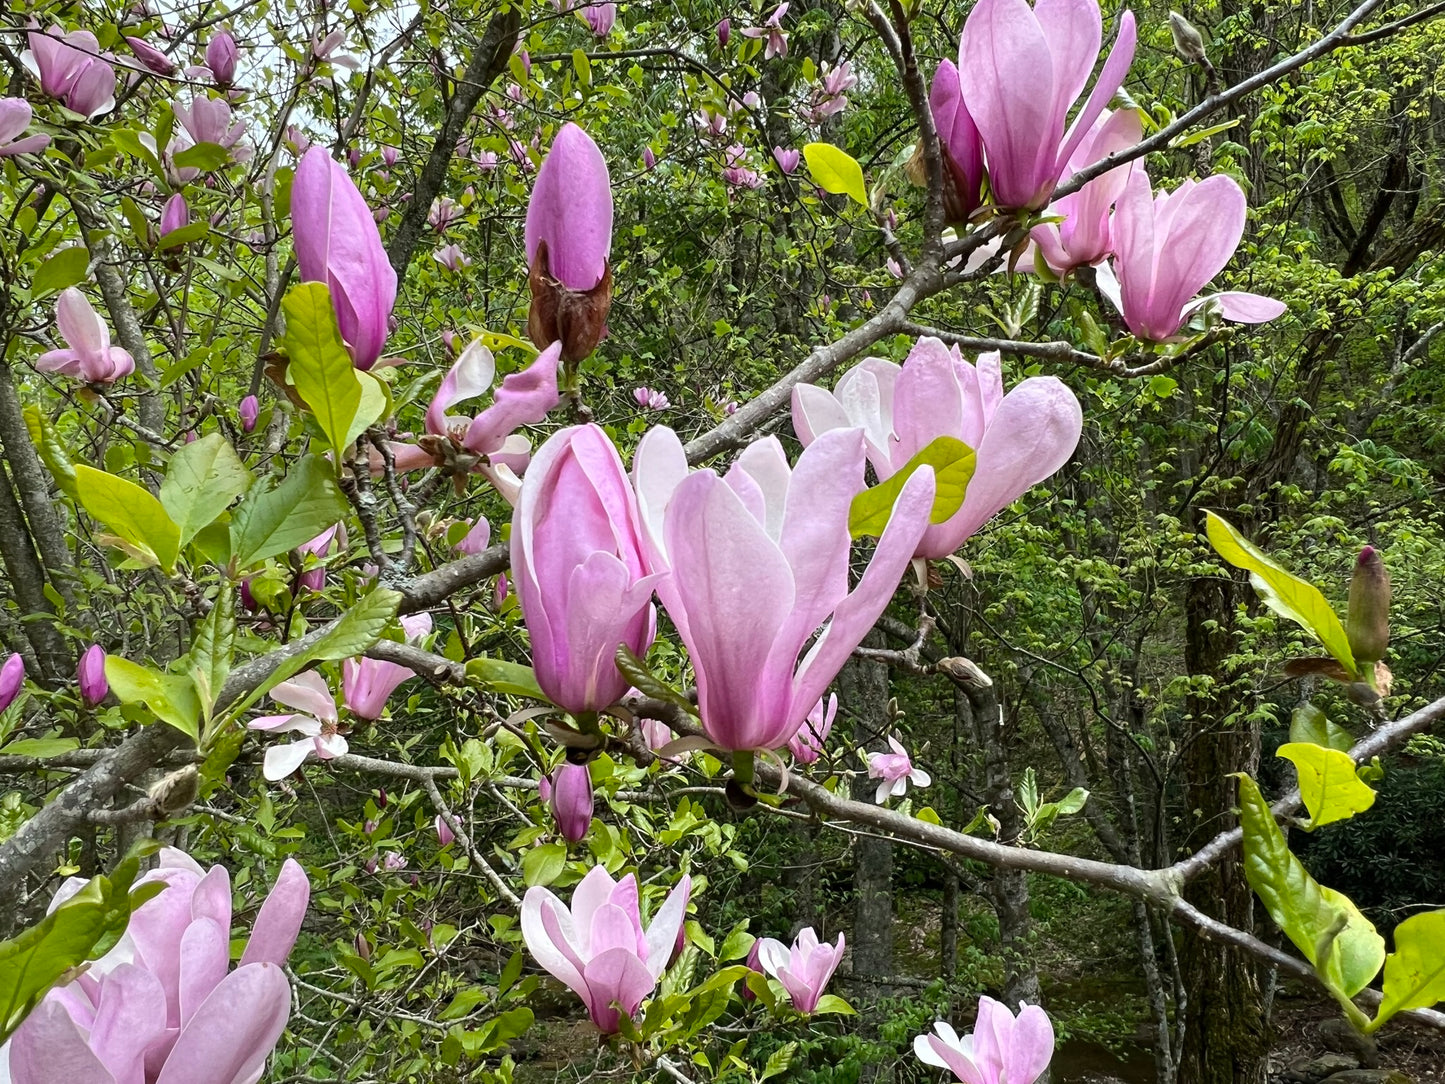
(445, 835)
(1368, 623)
(1188, 41)
(363, 946)
(12, 679)
(90, 676)
(572, 800)
(249, 411)
(176, 791)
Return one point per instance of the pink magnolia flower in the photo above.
(757, 562)
(893, 268)
(649, 399)
(1084, 237)
(445, 835)
(314, 579)
(221, 56)
(649, 159)
(452, 258)
(772, 30)
(367, 684)
(163, 1006)
(90, 676)
(477, 539)
(807, 744)
(577, 557)
(15, 117)
(600, 18)
(12, 679)
(571, 211)
(804, 970)
(389, 155)
(724, 32)
(315, 719)
(88, 353)
(787, 159)
(443, 212)
(324, 49)
(571, 800)
(1022, 67)
(1167, 247)
(1001, 1049)
(72, 70)
(208, 120)
(829, 97)
(175, 215)
(154, 60)
(1019, 439)
(896, 771)
(249, 411)
(737, 174)
(710, 125)
(393, 862)
(337, 243)
(961, 144)
(599, 947)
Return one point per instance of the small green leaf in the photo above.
(1312, 916)
(1327, 782)
(320, 366)
(1415, 971)
(1284, 593)
(132, 513)
(40, 747)
(648, 683)
(832, 1003)
(52, 452)
(271, 521)
(213, 648)
(65, 268)
(202, 479)
(836, 171)
(506, 677)
(778, 1061)
(170, 696)
(203, 156)
(583, 67)
(952, 461)
(544, 864)
(1310, 724)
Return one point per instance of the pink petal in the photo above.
(49, 1046)
(279, 921)
(1244, 307)
(233, 1032)
(524, 398)
(307, 692)
(571, 210)
(471, 376)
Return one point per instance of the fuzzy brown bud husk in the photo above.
(1188, 41)
(578, 319)
(1367, 624)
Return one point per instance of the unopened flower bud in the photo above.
(445, 835)
(1368, 623)
(12, 680)
(249, 411)
(572, 800)
(90, 676)
(1188, 41)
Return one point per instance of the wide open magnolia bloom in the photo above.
(367, 684)
(1084, 236)
(804, 970)
(1001, 1049)
(1019, 439)
(337, 243)
(315, 719)
(758, 560)
(577, 561)
(1167, 246)
(895, 771)
(88, 354)
(163, 1006)
(72, 69)
(1022, 68)
(15, 117)
(599, 947)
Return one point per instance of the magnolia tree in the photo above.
(323, 382)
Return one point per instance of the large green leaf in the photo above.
(130, 511)
(1283, 592)
(271, 521)
(213, 647)
(171, 697)
(65, 268)
(506, 677)
(320, 366)
(84, 927)
(836, 171)
(1309, 724)
(1415, 971)
(1327, 782)
(1324, 924)
(52, 452)
(952, 461)
(202, 479)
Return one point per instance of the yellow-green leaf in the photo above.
(319, 364)
(1309, 724)
(1327, 782)
(836, 171)
(952, 461)
(131, 513)
(1415, 971)
(52, 452)
(170, 696)
(202, 479)
(1283, 592)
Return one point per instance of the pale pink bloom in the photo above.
(249, 411)
(393, 862)
(571, 800)
(807, 744)
(600, 18)
(367, 684)
(787, 159)
(1019, 439)
(314, 579)
(773, 31)
(486, 161)
(88, 353)
(315, 719)
(1084, 236)
(164, 1006)
(477, 539)
(452, 258)
(208, 120)
(154, 60)
(804, 969)
(325, 49)
(650, 399)
(1001, 1049)
(72, 70)
(221, 56)
(599, 947)
(90, 676)
(752, 100)
(895, 771)
(445, 835)
(442, 213)
(893, 268)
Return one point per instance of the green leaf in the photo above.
(1284, 593)
(375, 404)
(832, 1003)
(271, 521)
(170, 696)
(202, 479)
(1327, 782)
(1310, 724)
(320, 366)
(543, 865)
(648, 683)
(40, 747)
(1415, 971)
(1324, 925)
(778, 1061)
(52, 452)
(131, 513)
(213, 647)
(583, 67)
(192, 231)
(203, 156)
(506, 677)
(65, 268)
(836, 171)
(952, 461)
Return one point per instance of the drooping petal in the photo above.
(282, 760)
(235, 1029)
(524, 398)
(471, 376)
(279, 921)
(307, 692)
(1246, 308)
